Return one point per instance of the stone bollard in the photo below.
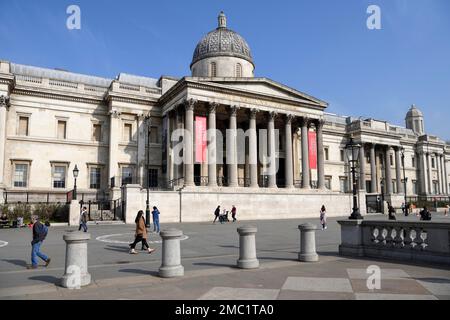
(76, 271)
(308, 243)
(171, 257)
(247, 248)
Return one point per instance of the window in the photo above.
(21, 175)
(342, 155)
(328, 183)
(94, 178)
(59, 177)
(23, 126)
(97, 132)
(414, 187)
(391, 159)
(238, 70)
(213, 70)
(127, 130)
(435, 187)
(127, 175)
(394, 186)
(433, 164)
(153, 178)
(381, 160)
(413, 161)
(154, 135)
(343, 184)
(326, 153)
(62, 129)
(367, 157)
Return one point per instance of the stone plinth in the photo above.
(247, 248)
(308, 243)
(171, 256)
(76, 271)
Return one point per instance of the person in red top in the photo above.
(233, 213)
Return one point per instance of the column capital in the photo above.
(190, 104)
(305, 121)
(115, 114)
(212, 107)
(252, 112)
(320, 123)
(289, 118)
(271, 115)
(140, 116)
(233, 110)
(4, 102)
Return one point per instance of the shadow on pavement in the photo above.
(16, 262)
(140, 271)
(49, 279)
(214, 264)
(118, 249)
(434, 280)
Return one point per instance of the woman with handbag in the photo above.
(141, 234)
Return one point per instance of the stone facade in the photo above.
(52, 120)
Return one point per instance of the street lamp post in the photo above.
(405, 180)
(148, 121)
(75, 176)
(353, 150)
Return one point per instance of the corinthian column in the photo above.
(320, 156)
(114, 130)
(373, 170)
(189, 143)
(398, 171)
(289, 165)
(253, 150)
(212, 146)
(4, 105)
(362, 168)
(272, 152)
(306, 183)
(231, 149)
(388, 183)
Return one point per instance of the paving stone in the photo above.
(385, 274)
(391, 286)
(223, 293)
(387, 296)
(318, 284)
(307, 295)
(437, 286)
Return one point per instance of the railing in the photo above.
(429, 201)
(104, 210)
(404, 240)
(38, 197)
(201, 180)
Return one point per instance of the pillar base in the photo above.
(68, 282)
(308, 257)
(248, 264)
(171, 272)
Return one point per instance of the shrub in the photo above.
(4, 208)
(43, 211)
(21, 210)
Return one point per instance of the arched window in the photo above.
(213, 70)
(238, 70)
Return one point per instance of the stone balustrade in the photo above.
(401, 240)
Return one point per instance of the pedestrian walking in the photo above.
(323, 218)
(425, 215)
(403, 208)
(447, 209)
(155, 215)
(83, 220)
(407, 209)
(40, 232)
(391, 212)
(233, 213)
(217, 214)
(141, 234)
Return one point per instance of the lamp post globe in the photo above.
(75, 176)
(352, 150)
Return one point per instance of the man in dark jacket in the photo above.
(217, 214)
(39, 233)
(425, 215)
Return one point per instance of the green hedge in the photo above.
(45, 212)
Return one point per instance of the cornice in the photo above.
(185, 83)
(58, 96)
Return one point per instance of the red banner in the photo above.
(312, 146)
(200, 140)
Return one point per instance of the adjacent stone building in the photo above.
(54, 120)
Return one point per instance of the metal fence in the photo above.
(429, 201)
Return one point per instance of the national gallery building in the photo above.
(118, 133)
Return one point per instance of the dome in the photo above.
(414, 112)
(222, 42)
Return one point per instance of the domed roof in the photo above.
(222, 42)
(414, 112)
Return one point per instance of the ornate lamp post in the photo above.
(75, 176)
(148, 121)
(352, 150)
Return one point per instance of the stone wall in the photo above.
(198, 204)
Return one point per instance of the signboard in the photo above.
(312, 147)
(200, 140)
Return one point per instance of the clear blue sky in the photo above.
(320, 47)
